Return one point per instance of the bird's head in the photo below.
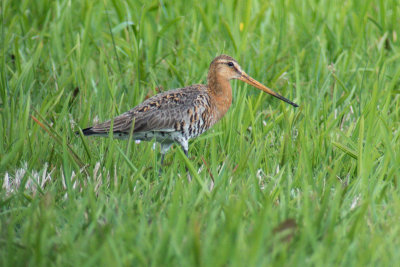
(227, 68)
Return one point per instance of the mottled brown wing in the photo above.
(158, 113)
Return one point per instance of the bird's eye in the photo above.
(230, 64)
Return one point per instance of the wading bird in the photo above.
(176, 116)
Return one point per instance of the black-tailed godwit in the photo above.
(176, 116)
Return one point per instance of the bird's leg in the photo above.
(162, 159)
(164, 149)
(185, 147)
(186, 168)
(187, 155)
(161, 164)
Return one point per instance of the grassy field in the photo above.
(312, 186)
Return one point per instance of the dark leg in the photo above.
(186, 168)
(187, 155)
(185, 147)
(164, 148)
(162, 161)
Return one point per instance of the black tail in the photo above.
(86, 131)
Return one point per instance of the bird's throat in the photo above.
(221, 90)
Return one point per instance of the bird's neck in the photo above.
(221, 91)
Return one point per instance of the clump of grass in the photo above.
(317, 185)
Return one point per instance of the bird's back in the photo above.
(168, 116)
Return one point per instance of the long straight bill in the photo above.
(247, 79)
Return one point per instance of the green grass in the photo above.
(329, 169)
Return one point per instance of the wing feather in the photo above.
(158, 113)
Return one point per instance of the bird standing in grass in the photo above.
(176, 116)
